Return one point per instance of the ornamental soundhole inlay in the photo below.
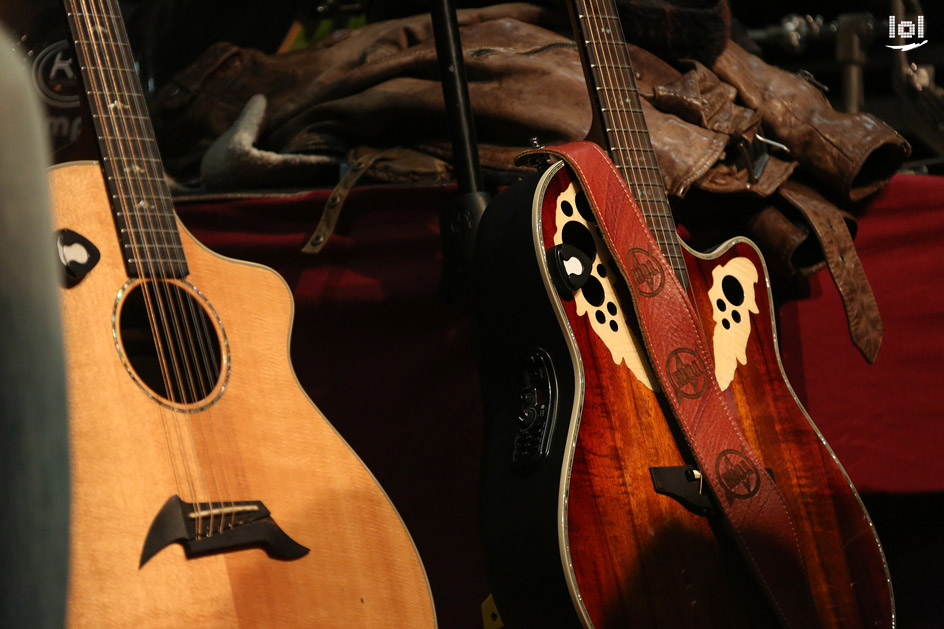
(598, 300)
(732, 300)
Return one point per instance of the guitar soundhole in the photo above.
(170, 342)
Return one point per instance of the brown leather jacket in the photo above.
(376, 87)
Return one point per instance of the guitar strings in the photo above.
(642, 173)
(661, 222)
(159, 269)
(134, 226)
(208, 422)
(95, 57)
(608, 80)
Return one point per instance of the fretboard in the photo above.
(140, 199)
(612, 84)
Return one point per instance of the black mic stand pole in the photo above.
(459, 220)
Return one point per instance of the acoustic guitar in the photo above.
(595, 509)
(207, 489)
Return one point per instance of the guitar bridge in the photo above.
(685, 484)
(209, 528)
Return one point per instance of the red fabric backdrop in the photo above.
(884, 421)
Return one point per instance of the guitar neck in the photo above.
(140, 198)
(612, 83)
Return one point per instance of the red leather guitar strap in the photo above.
(678, 351)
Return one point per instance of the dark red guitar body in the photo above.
(575, 530)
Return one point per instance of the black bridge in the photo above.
(223, 526)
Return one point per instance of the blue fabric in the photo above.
(34, 465)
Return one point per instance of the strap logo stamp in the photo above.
(737, 475)
(687, 373)
(645, 272)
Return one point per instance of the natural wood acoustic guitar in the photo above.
(594, 509)
(207, 489)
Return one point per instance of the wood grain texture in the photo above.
(363, 569)
(640, 558)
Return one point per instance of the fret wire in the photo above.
(149, 245)
(126, 171)
(600, 17)
(629, 110)
(671, 253)
(138, 172)
(154, 260)
(635, 156)
(152, 160)
(662, 218)
(157, 225)
(157, 197)
(83, 14)
(124, 137)
(108, 68)
(622, 166)
(111, 117)
(152, 212)
(642, 160)
(641, 196)
(136, 178)
(151, 229)
(663, 230)
(162, 219)
(613, 79)
(95, 42)
(605, 42)
(113, 93)
(157, 186)
(615, 66)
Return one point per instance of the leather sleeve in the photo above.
(853, 155)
